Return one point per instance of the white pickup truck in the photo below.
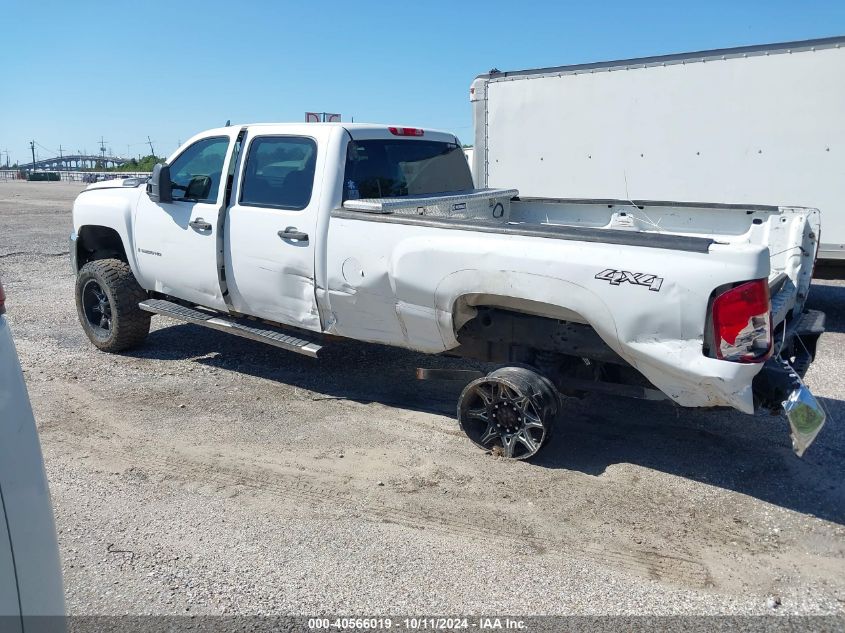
(287, 233)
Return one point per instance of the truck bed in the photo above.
(680, 226)
(535, 229)
(640, 273)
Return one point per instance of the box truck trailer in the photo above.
(760, 125)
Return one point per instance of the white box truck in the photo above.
(761, 125)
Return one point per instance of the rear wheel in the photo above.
(107, 297)
(509, 411)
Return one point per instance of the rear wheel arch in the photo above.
(465, 308)
(458, 296)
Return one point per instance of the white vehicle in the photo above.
(375, 233)
(750, 125)
(30, 572)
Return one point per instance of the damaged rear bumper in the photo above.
(779, 387)
(806, 418)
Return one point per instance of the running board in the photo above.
(258, 332)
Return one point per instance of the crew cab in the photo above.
(286, 233)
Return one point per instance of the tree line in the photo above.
(145, 163)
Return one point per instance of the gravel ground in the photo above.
(207, 474)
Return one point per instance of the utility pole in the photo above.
(152, 151)
(61, 158)
(32, 147)
(103, 148)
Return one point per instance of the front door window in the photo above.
(196, 172)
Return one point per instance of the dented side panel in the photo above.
(416, 282)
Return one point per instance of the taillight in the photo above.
(2, 299)
(742, 326)
(406, 131)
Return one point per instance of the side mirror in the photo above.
(158, 186)
(198, 188)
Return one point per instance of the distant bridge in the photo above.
(76, 161)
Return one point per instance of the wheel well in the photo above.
(501, 335)
(570, 354)
(466, 307)
(98, 242)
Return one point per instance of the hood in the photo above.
(109, 195)
(118, 183)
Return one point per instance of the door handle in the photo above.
(200, 225)
(292, 233)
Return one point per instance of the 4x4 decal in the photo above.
(616, 277)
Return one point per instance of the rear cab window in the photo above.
(396, 168)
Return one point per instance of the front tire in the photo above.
(107, 298)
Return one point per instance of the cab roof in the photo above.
(362, 128)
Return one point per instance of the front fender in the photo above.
(111, 208)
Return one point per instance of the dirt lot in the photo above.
(208, 474)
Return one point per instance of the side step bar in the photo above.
(252, 330)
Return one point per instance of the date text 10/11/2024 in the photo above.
(415, 624)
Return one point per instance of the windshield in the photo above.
(393, 168)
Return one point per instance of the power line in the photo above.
(44, 148)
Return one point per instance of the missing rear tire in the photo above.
(511, 410)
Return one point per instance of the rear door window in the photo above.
(394, 168)
(279, 172)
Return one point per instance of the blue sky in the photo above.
(73, 71)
